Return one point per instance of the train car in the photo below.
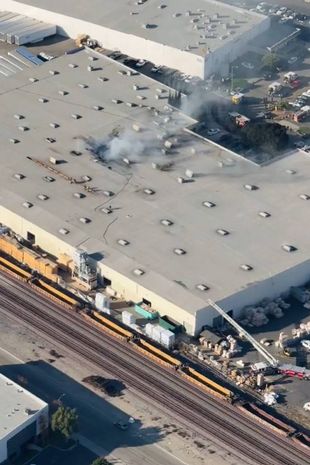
(104, 328)
(55, 293)
(160, 353)
(266, 419)
(204, 387)
(106, 321)
(211, 384)
(151, 355)
(17, 270)
(302, 439)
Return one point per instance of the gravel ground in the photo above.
(174, 440)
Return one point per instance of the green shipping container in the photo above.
(142, 310)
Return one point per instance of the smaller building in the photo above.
(23, 419)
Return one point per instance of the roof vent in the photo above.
(108, 193)
(63, 231)
(83, 86)
(76, 116)
(141, 97)
(250, 187)
(53, 72)
(27, 204)
(148, 191)
(208, 204)
(42, 99)
(85, 220)
(18, 116)
(63, 92)
(43, 197)
(116, 101)
(290, 171)
(14, 141)
(122, 72)
(222, 232)
(97, 107)
(92, 58)
(166, 222)
(33, 79)
(54, 125)
(23, 128)
(304, 196)
(246, 267)
(122, 242)
(72, 65)
(86, 178)
(181, 180)
(19, 176)
(48, 179)
(106, 210)
(179, 251)
(102, 79)
(138, 272)
(78, 195)
(289, 248)
(202, 287)
(264, 214)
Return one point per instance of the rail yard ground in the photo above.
(155, 438)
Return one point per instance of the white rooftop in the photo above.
(16, 406)
(177, 23)
(211, 258)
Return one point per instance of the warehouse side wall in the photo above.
(132, 45)
(272, 287)
(219, 60)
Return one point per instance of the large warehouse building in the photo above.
(200, 37)
(23, 416)
(161, 217)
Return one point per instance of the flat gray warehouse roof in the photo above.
(200, 24)
(64, 88)
(16, 405)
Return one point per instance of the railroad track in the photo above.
(206, 415)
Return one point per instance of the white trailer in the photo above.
(39, 33)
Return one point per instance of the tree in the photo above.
(271, 136)
(65, 420)
(271, 61)
(100, 461)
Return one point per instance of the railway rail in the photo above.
(206, 415)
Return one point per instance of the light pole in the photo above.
(232, 77)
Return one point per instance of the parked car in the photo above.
(247, 65)
(140, 63)
(292, 60)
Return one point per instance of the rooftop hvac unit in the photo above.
(54, 125)
(97, 107)
(122, 242)
(86, 178)
(289, 248)
(246, 267)
(63, 92)
(63, 231)
(108, 193)
(42, 197)
(27, 204)
(76, 116)
(208, 204)
(78, 195)
(304, 196)
(250, 187)
(23, 128)
(106, 210)
(166, 222)
(102, 79)
(33, 79)
(83, 86)
(42, 100)
(19, 176)
(179, 251)
(264, 214)
(138, 272)
(53, 72)
(14, 141)
(18, 116)
(85, 220)
(222, 232)
(148, 191)
(202, 287)
(72, 65)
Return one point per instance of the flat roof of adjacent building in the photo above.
(176, 23)
(141, 195)
(16, 405)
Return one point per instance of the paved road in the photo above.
(138, 447)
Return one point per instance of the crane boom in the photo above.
(262, 350)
